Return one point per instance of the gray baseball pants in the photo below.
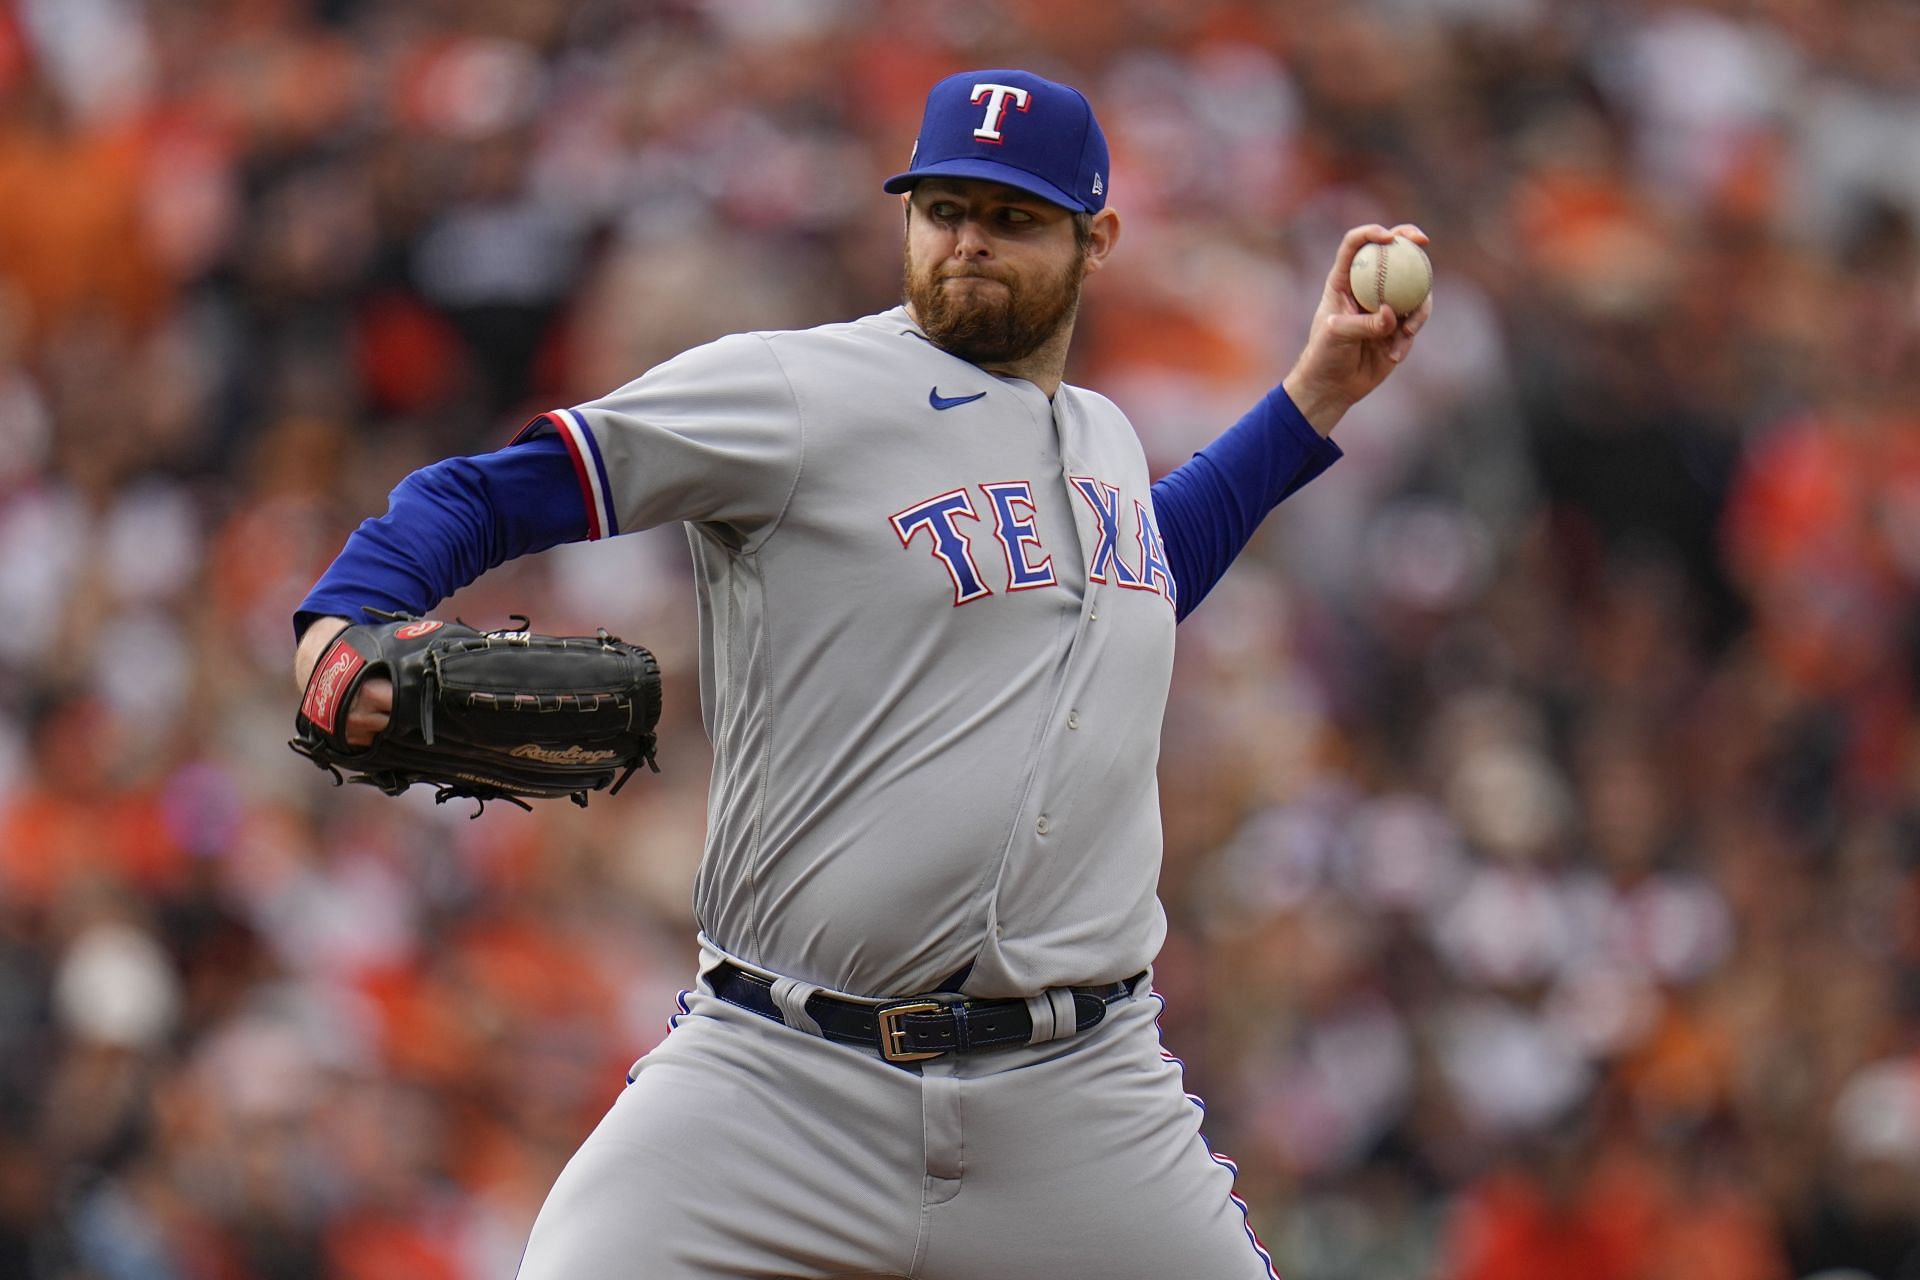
(744, 1148)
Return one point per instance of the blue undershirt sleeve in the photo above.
(1208, 507)
(447, 524)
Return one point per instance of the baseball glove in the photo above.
(486, 715)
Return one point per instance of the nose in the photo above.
(970, 241)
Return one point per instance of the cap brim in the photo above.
(988, 171)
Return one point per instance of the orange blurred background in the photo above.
(1542, 789)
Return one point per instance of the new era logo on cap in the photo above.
(1013, 127)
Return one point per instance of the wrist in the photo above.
(313, 643)
(1321, 408)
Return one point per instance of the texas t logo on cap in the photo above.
(996, 96)
(1013, 127)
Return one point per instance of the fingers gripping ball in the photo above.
(1396, 273)
(488, 715)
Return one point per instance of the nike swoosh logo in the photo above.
(939, 401)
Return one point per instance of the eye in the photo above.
(943, 210)
(1016, 217)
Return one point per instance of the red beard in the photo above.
(986, 325)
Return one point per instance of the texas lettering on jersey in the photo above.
(1029, 564)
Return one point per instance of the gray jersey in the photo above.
(936, 636)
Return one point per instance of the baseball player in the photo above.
(938, 592)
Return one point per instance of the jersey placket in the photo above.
(1034, 826)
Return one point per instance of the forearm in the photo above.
(1209, 507)
(446, 525)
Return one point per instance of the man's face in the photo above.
(991, 272)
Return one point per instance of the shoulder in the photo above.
(890, 329)
(769, 350)
(836, 366)
(1100, 424)
(1091, 403)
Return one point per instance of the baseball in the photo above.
(1396, 273)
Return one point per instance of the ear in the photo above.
(1105, 234)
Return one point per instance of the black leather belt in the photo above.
(920, 1027)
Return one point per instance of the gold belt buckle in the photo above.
(893, 1036)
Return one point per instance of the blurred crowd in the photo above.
(1542, 789)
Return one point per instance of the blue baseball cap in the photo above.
(1012, 127)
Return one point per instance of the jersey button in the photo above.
(1073, 719)
(1041, 826)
